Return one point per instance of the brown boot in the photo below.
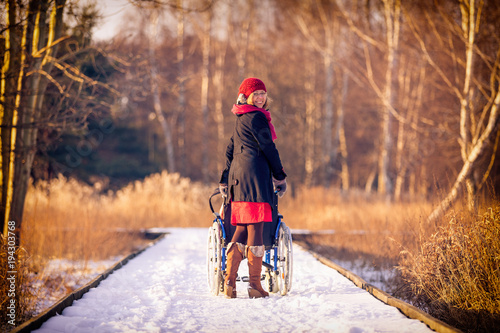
(234, 257)
(255, 254)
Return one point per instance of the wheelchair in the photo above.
(277, 261)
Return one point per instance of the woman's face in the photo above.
(257, 98)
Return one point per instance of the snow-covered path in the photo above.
(164, 289)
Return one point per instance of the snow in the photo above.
(61, 276)
(165, 289)
(379, 277)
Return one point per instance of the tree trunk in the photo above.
(384, 182)
(475, 152)
(411, 88)
(33, 96)
(324, 43)
(469, 33)
(181, 117)
(219, 94)
(369, 181)
(392, 10)
(40, 42)
(29, 113)
(204, 96)
(342, 80)
(155, 90)
(310, 124)
(404, 78)
(413, 140)
(12, 72)
(239, 38)
(328, 122)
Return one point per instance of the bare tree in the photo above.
(392, 14)
(479, 115)
(411, 83)
(32, 63)
(239, 31)
(153, 13)
(310, 124)
(385, 91)
(218, 79)
(32, 102)
(322, 38)
(26, 72)
(181, 78)
(204, 33)
(478, 127)
(340, 136)
(205, 79)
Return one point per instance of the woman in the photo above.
(253, 166)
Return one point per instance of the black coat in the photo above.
(252, 160)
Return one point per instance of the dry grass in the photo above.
(361, 223)
(65, 218)
(14, 286)
(455, 274)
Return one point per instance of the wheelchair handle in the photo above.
(216, 192)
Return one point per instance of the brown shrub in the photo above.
(456, 273)
(16, 295)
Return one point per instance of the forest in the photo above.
(397, 98)
(387, 101)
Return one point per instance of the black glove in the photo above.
(280, 186)
(223, 190)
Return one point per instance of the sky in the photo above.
(113, 12)
(165, 289)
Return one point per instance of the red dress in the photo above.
(243, 212)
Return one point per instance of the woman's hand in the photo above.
(280, 186)
(223, 190)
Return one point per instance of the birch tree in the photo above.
(388, 45)
(340, 136)
(323, 38)
(153, 13)
(392, 14)
(218, 80)
(477, 92)
(310, 164)
(411, 78)
(181, 78)
(239, 31)
(203, 29)
(205, 80)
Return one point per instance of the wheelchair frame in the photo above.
(277, 260)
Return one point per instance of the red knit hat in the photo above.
(251, 84)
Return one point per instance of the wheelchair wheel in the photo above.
(214, 259)
(271, 281)
(285, 259)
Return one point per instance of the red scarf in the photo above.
(245, 108)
